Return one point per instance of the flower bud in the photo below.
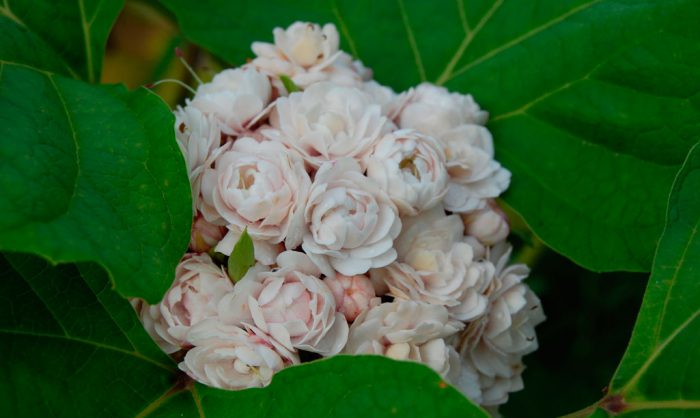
(352, 294)
(204, 235)
(488, 225)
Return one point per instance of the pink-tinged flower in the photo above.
(199, 285)
(433, 110)
(199, 138)
(229, 357)
(260, 186)
(489, 225)
(152, 321)
(306, 53)
(475, 177)
(391, 103)
(410, 167)
(431, 229)
(438, 267)
(489, 391)
(352, 294)
(291, 304)
(407, 330)
(351, 222)
(327, 122)
(451, 279)
(494, 345)
(204, 235)
(234, 98)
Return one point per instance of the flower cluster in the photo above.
(373, 219)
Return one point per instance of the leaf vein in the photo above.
(411, 40)
(5, 10)
(522, 38)
(463, 16)
(67, 337)
(344, 28)
(86, 36)
(447, 72)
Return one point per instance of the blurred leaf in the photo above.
(594, 102)
(93, 173)
(68, 40)
(242, 257)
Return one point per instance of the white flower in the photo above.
(292, 304)
(433, 110)
(259, 186)
(351, 222)
(410, 167)
(199, 139)
(406, 330)
(475, 177)
(199, 285)
(489, 391)
(204, 235)
(488, 225)
(352, 294)
(494, 345)
(431, 229)
(265, 252)
(468, 382)
(307, 54)
(437, 266)
(327, 122)
(235, 97)
(478, 248)
(152, 321)
(229, 357)
(450, 279)
(391, 103)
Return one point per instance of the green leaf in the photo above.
(594, 103)
(74, 348)
(289, 84)
(71, 346)
(661, 368)
(660, 372)
(92, 173)
(346, 386)
(242, 257)
(68, 39)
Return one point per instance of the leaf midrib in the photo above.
(660, 347)
(86, 36)
(469, 36)
(83, 341)
(515, 41)
(7, 12)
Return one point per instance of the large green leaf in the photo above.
(67, 37)
(73, 348)
(594, 103)
(92, 173)
(661, 368)
(660, 373)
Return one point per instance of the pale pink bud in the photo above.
(488, 225)
(352, 294)
(204, 235)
